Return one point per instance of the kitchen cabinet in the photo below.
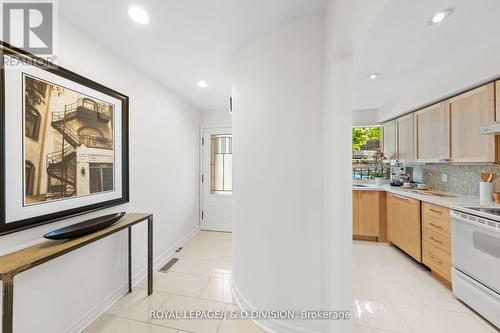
(497, 102)
(390, 140)
(432, 126)
(436, 240)
(403, 220)
(369, 215)
(405, 138)
(467, 112)
(355, 212)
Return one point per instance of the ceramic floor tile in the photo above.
(219, 269)
(184, 265)
(183, 303)
(238, 325)
(181, 283)
(112, 324)
(218, 290)
(138, 304)
(377, 315)
(144, 282)
(425, 320)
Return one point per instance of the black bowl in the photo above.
(85, 227)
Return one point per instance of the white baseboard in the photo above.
(269, 325)
(110, 300)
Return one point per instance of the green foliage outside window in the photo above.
(362, 134)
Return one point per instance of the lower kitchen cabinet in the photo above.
(436, 240)
(369, 215)
(403, 220)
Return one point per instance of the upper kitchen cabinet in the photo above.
(467, 112)
(406, 138)
(433, 134)
(390, 140)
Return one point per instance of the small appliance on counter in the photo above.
(400, 175)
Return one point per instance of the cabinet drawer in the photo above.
(436, 211)
(437, 260)
(437, 239)
(436, 224)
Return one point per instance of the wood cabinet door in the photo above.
(432, 133)
(369, 212)
(355, 212)
(406, 138)
(389, 138)
(467, 112)
(404, 225)
(497, 103)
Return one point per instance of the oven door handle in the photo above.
(475, 224)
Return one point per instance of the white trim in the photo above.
(200, 172)
(268, 325)
(110, 300)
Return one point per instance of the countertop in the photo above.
(455, 201)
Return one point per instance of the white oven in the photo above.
(476, 261)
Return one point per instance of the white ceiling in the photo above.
(186, 40)
(409, 53)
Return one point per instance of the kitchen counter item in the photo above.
(486, 190)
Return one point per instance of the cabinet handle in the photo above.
(436, 259)
(435, 211)
(436, 240)
(436, 226)
(403, 198)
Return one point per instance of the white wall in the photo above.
(216, 118)
(337, 152)
(364, 117)
(164, 138)
(478, 68)
(280, 255)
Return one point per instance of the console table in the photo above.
(22, 260)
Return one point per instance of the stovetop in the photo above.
(486, 210)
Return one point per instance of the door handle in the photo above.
(403, 198)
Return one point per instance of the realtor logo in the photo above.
(29, 26)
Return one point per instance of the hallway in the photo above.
(200, 280)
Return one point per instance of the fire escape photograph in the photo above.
(68, 143)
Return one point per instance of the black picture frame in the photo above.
(14, 226)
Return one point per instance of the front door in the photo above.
(217, 179)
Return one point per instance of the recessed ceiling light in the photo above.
(440, 16)
(139, 15)
(374, 76)
(202, 84)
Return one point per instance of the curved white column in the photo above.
(281, 248)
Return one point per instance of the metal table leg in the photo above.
(7, 305)
(150, 255)
(129, 259)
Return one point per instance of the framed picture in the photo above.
(63, 145)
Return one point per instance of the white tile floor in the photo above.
(199, 280)
(391, 294)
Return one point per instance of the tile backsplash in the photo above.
(461, 178)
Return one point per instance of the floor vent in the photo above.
(168, 265)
